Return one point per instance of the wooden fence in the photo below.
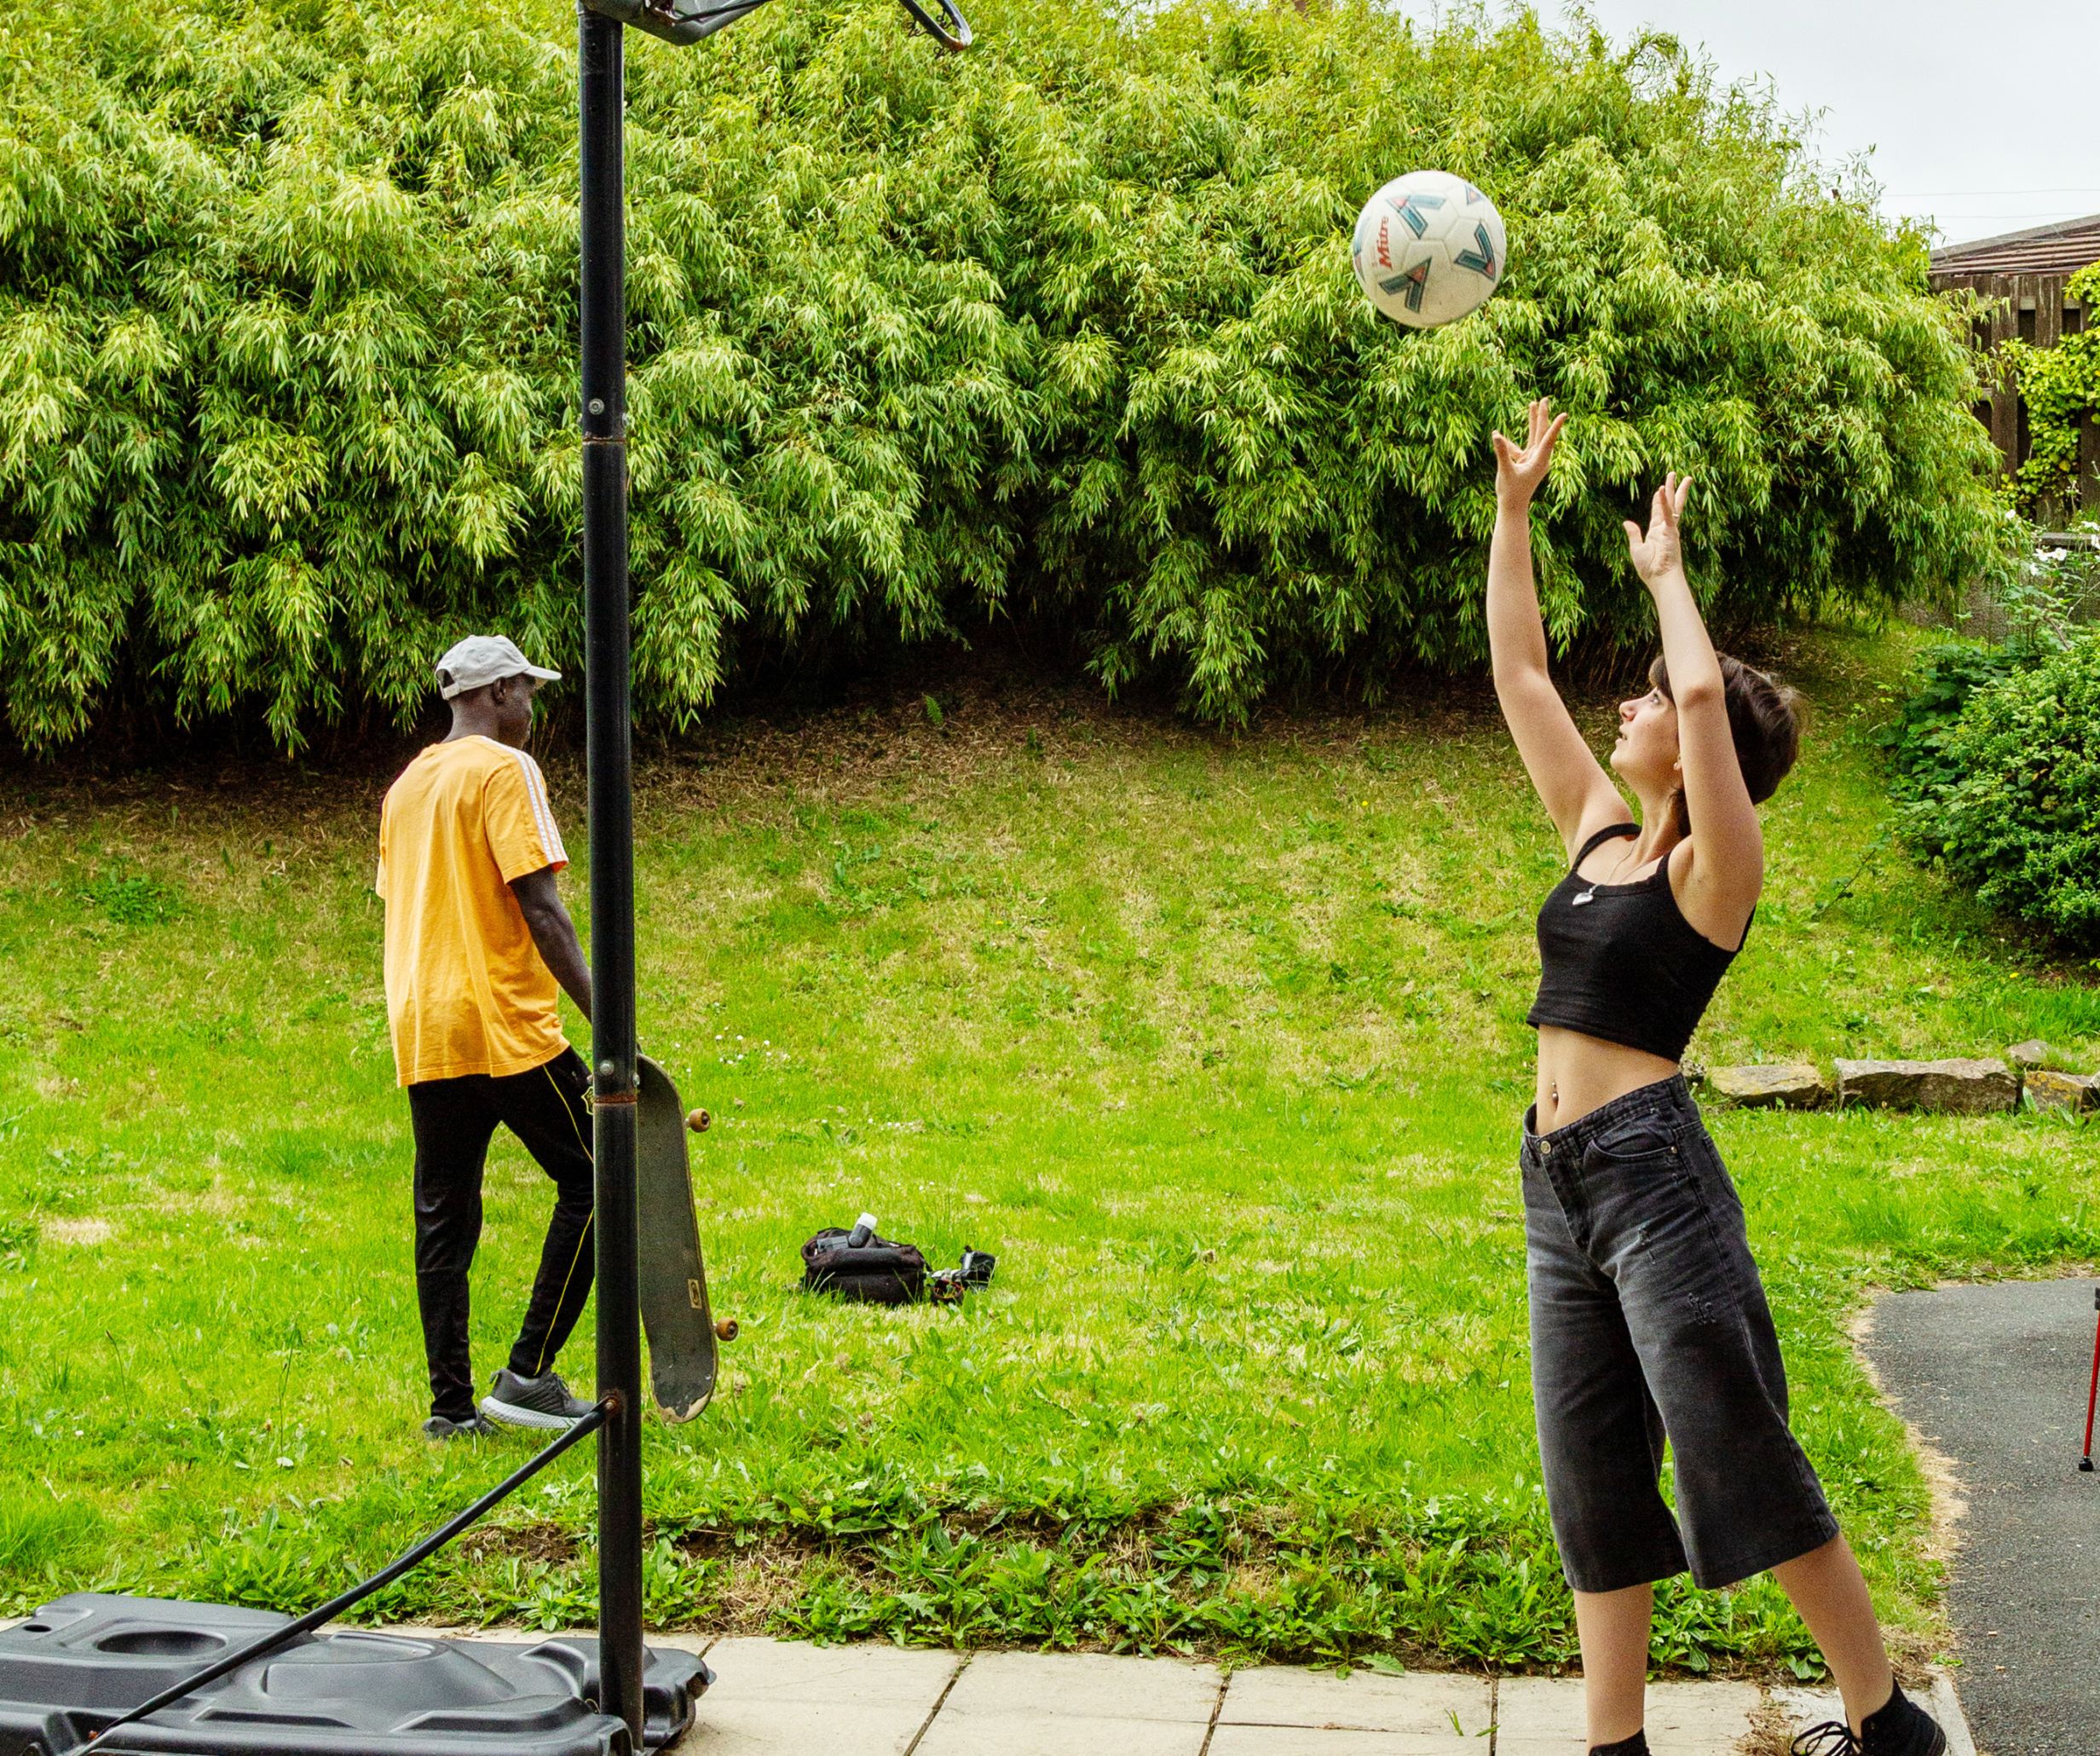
(2032, 308)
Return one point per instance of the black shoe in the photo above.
(441, 1427)
(1900, 1727)
(543, 1402)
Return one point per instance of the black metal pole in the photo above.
(613, 1052)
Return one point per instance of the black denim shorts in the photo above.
(1648, 1321)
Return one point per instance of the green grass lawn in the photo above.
(1218, 1043)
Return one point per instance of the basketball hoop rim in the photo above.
(682, 22)
(954, 37)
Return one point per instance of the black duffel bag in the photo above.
(881, 1271)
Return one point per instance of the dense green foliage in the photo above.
(2011, 796)
(2060, 387)
(1997, 749)
(1946, 677)
(1063, 328)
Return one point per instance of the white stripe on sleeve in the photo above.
(543, 811)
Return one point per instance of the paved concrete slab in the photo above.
(1804, 1707)
(787, 1697)
(751, 1668)
(791, 1729)
(1995, 1377)
(1075, 1704)
(1086, 1684)
(1058, 1735)
(1423, 1703)
(1321, 1740)
(1534, 1715)
(1953, 1719)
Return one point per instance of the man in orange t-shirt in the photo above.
(476, 941)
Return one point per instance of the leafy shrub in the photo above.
(1063, 328)
(1946, 677)
(2010, 797)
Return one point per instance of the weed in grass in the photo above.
(37, 1534)
(130, 898)
(18, 1243)
(267, 1566)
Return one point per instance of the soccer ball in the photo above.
(1429, 247)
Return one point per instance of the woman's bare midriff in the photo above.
(1578, 1073)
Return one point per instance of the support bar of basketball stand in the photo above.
(415, 1556)
(2092, 1391)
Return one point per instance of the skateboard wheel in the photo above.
(697, 1120)
(725, 1330)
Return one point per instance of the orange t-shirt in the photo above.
(467, 990)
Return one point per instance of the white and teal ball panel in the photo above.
(1429, 247)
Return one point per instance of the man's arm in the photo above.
(539, 899)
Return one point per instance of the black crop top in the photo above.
(1620, 962)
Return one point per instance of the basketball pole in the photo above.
(613, 1081)
(615, 1054)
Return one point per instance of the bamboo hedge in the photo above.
(1062, 329)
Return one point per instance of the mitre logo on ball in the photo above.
(1429, 248)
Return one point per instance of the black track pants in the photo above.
(454, 1120)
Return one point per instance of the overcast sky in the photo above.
(1984, 118)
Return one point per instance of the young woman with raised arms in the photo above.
(1647, 1317)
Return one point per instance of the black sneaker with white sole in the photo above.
(1900, 1727)
(440, 1428)
(543, 1402)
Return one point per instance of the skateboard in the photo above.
(682, 1330)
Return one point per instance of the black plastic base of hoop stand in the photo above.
(81, 1661)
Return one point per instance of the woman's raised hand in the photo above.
(1518, 473)
(1657, 553)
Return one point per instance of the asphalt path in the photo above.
(1995, 1377)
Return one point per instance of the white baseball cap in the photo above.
(481, 659)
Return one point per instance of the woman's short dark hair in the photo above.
(1764, 720)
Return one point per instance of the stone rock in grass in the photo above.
(1782, 1085)
(1966, 1086)
(2047, 1090)
(2032, 1053)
